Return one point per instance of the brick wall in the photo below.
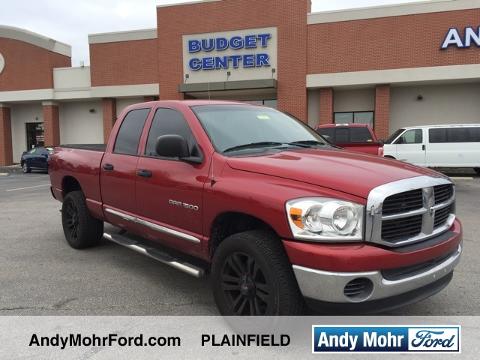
(382, 111)
(326, 106)
(109, 109)
(289, 16)
(51, 125)
(389, 43)
(6, 156)
(124, 63)
(27, 66)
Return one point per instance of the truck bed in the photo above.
(91, 147)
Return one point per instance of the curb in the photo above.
(15, 169)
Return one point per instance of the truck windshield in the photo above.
(244, 128)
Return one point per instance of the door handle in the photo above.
(144, 173)
(108, 167)
(423, 147)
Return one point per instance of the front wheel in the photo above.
(25, 168)
(251, 275)
(80, 228)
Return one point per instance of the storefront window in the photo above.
(354, 117)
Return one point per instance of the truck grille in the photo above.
(443, 193)
(403, 202)
(398, 229)
(398, 218)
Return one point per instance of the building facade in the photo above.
(389, 66)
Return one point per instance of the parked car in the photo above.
(353, 137)
(456, 146)
(35, 159)
(259, 200)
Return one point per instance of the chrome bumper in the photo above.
(329, 286)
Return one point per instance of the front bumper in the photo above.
(331, 287)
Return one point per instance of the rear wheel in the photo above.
(251, 275)
(477, 170)
(25, 168)
(80, 228)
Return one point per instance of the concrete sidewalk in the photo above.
(12, 169)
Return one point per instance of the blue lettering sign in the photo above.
(194, 46)
(250, 41)
(470, 36)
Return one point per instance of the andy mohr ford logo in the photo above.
(383, 339)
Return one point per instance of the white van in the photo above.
(436, 146)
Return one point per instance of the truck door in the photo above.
(410, 147)
(118, 167)
(169, 191)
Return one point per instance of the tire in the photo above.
(477, 170)
(25, 168)
(80, 228)
(251, 275)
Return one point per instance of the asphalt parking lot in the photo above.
(41, 275)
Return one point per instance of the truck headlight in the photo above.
(325, 219)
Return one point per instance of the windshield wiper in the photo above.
(307, 143)
(253, 146)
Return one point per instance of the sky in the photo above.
(71, 21)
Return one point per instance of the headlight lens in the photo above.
(325, 219)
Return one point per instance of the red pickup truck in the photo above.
(353, 137)
(279, 218)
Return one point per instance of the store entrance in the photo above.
(35, 135)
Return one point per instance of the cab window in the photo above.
(168, 122)
(411, 137)
(130, 131)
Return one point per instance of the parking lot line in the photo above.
(27, 187)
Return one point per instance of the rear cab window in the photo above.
(128, 136)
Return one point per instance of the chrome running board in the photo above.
(155, 254)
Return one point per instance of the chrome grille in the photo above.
(410, 210)
(443, 193)
(398, 229)
(403, 202)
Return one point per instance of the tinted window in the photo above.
(130, 131)
(454, 135)
(360, 135)
(437, 135)
(168, 122)
(341, 136)
(411, 137)
(328, 133)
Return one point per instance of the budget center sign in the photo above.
(248, 54)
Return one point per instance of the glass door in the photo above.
(35, 135)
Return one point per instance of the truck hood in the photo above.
(344, 171)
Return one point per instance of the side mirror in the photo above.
(175, 146)
(172, 146)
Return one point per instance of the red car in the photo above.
(353, 137)
(277, 216)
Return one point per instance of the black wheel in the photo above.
(251, 275)
(80, 228)
(477, 170)
(25, 168)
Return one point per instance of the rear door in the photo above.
(170, 191)
(118, 168)
(410, 147)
